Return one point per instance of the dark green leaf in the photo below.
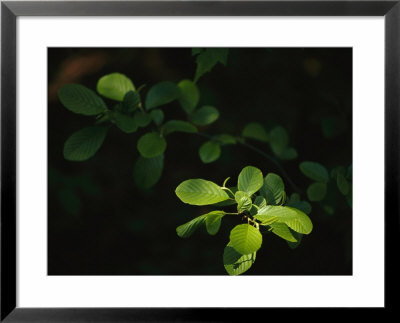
(189, 96)
(142, 119)
(316, 192)
(84, 144)
(260, 201)
(279, 140)
(79, 99)
(158, 116)
(225, 139)
(209, 152)
(333, 126)
(342, 184)
(151, 145)
(178, 126)
(147, 171)
(131, 102)
(114, 86)
(208, 58)
(288, 154)
(255, 131)
(205, 116)
(315, 171)
(125, 123)
(161, 93)
(298, 237)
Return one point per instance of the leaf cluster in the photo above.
(261, 206)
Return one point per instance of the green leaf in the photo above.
(79, 99)
(189, 96)
(243, 200)
(178, 126)
(282, 230)
(147, 171)
(245, 239)
(124, 122)
(131, 102)
(84, 143)
(158, 116)
(293, 218)
(255, 131)
(342, 184)
(151, 145)
(114, 86)
(315, 171)
(273, 188)
(260, 201)
(208, 58)
(301, 205)
(316, 192)
(250, 180)
(200, 192)
(236, 263)
(196, 51)
(298, 237)
(205, 116)
(142, 119)
(225, 139)
(279, 140)
(328, 209)
(209, 152)
(161, 93)
(187, 229)
(213, 221)
(288, 154)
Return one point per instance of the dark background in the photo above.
(100, 223)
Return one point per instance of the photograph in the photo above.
(200, 161)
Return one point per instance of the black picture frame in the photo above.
(11, 10)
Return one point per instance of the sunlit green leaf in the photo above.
(79, 99)
(209, 152)
(189, 95)
(147, 171)
(204, 116)
(114, 86)
(315, 171)
(293, 218)
(273, 189)
(245, 239)
(84, 143)
(151, 145)
(243, 200)
(187, 229)
(283, 231)
(200, 192)
(213, 221)
(161, 93)
(255, 131)
(236, 263)
(250, 180)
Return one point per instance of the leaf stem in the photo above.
(265, 155)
